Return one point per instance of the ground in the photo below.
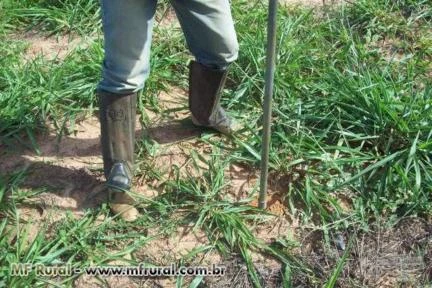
(70, 169)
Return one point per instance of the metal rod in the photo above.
(268, 95)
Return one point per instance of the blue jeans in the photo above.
(128, 24)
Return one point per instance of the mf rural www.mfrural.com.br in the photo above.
(142, 270)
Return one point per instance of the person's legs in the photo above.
(127, 26)
(209, 30)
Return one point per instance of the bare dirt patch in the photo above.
(51, 47)
(62, 177)
(311, 3)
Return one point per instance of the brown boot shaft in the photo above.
(117, 118)
(205, 89)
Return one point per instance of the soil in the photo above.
(50, 47)
(311, 3)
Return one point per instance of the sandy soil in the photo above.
(50, 47)
(310, 3)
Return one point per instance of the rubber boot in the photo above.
(117, 119)
(205, 89)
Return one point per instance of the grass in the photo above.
(351, 120)
(77, 16)
(345, 110)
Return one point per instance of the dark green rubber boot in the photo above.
(205, 89)
(117, 119)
